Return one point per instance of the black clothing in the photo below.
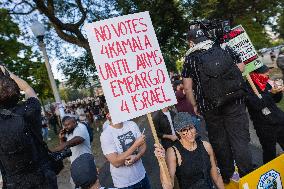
(163, 126)
(228, 132)
(191, 69)
(227, 125)
(53, 122)
(269, 128)
(190, 173)
(255, 106)
(38, 175)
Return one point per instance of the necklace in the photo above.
(188, 147)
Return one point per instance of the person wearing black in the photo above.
(23, 159)
(268, 119)
(191, 160)
(224, 112)
(163, 122)
(53, 122)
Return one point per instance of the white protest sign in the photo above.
(240, 43)
(130, 66)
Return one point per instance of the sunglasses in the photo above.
(187, 129)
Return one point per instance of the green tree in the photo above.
(20, 59)
(281, 25)
(252, 14)
(66, 18)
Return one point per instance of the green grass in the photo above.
(281, 104)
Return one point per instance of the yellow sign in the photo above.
(268, 176)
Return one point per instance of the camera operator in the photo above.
(214, 85)
(23, 158)
(75, 136)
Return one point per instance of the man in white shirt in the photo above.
(76, 137)
(123, 145)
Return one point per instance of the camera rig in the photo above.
(213, 29)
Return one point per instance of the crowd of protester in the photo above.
(202, 140)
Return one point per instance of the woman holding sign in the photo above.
(268, 119)
(190, 159)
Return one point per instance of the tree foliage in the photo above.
(252, 14)
(18, 57)
(65, 20)
(281, 24)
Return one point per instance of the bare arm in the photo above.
(73, 142)
(187, 83)
(118, 160)
(171, 164)
(142, 150)
(23, 85)
(216, 177)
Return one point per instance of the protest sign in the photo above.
(268, 176)
(239, 41)
(130, 66)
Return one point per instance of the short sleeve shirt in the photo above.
(115, 140)
(191, 70)
(85, 147)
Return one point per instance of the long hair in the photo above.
(9, 92)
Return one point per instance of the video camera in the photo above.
(213, 29)
(58, 156)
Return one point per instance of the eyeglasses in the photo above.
(187, 129)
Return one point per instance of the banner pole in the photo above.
(253, 86)
(162, 161)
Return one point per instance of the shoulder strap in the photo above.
(174, 148)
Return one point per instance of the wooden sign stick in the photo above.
(162, 161)
(253, 86)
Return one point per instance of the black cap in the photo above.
(196, 35)
(84, 171)
(262, 69)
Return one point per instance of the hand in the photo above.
(275, 90)
(159, 151)
(4, 69)
(130, 160)
(140, 141)
(241, 66)
(173, 137)
(195, 109)
(62, 134)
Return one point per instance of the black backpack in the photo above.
(221, 79)
(90, 131)
(16, 152)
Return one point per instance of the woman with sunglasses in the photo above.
(191, 160)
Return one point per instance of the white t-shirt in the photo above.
(118, 141)
(171, 122)
(82, 148)
(106, 124)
